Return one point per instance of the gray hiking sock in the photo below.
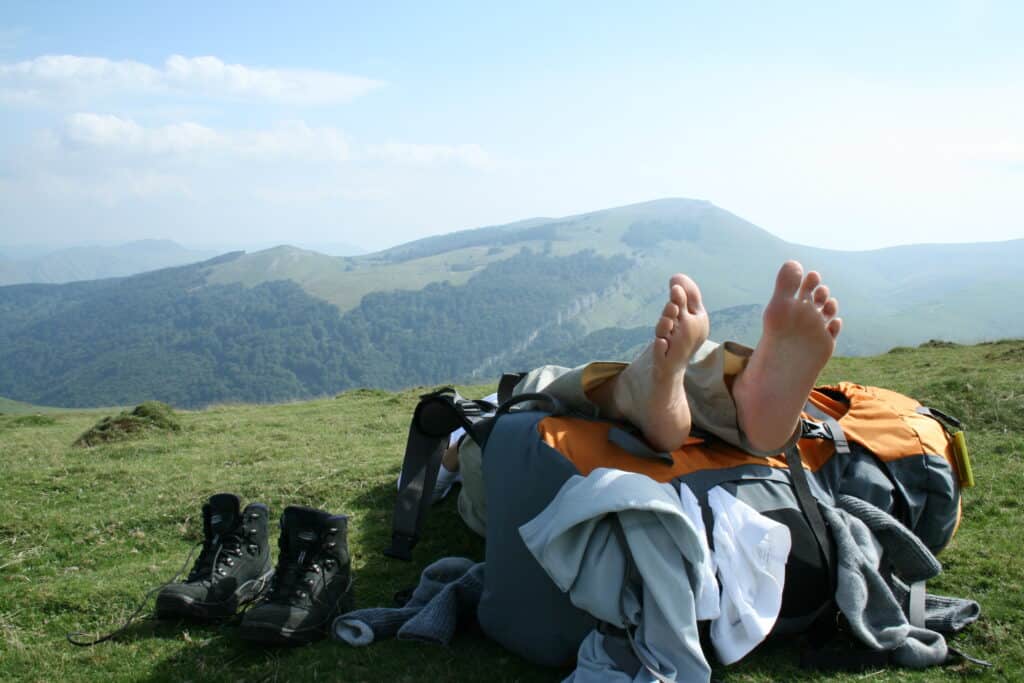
(364, 626)
(942, 613)
(456, 603)
(448, 593)
(922, 649)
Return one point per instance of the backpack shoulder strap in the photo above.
(508, 383)
(809, 505)
(437, 415)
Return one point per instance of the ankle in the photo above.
(604, 397)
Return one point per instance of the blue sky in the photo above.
(850, 125)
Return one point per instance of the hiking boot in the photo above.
(232, 569)
(312, 582)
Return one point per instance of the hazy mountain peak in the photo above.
(94, 262)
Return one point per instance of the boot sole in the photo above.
(183, 607)
(267, 633)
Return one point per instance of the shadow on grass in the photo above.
(221, 655)
(379, 577)
(443, 533)
(145, 629)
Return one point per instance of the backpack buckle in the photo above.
(469, 409)
(815, 430)
(828, 429)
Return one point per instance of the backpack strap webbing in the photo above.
(507, 384)
(829, 428)
(809, 505)
(824, 628)
(437, 415)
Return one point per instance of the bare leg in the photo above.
(447, 474)
(649, 392)
(800, 330)
(450, 459)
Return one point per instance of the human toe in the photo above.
(664, 327)
(830, 309)
(820, 296)
(834, 326)
(809, 284)
(788, 279)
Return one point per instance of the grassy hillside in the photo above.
(901, 295)
(84, 533)
(664, 236)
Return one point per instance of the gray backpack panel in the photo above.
(521, 607)
(927, 484)
(919, 490)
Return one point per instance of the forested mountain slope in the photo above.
(286, 323)
(171, 336)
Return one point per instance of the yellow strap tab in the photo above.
(963, 460)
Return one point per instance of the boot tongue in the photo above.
(224, 512)
(304, 526)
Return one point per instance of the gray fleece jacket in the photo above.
(875, 605)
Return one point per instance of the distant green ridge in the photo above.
(11, 407)
(286, 323)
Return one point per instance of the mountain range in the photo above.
(286, 323)
(94, 262)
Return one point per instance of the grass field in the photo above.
(84, 533)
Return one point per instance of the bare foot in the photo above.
(800, 330)
(649, 392)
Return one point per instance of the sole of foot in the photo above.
(650, 392)
(799, 336)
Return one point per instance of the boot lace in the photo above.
(217, 553)
(296, 578)
(83, 639)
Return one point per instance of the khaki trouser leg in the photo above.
(708, 378)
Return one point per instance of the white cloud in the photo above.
(471, 155)
(291, 140)
(113, 163)
(296, 86)
(58, 77)
(105, 131)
